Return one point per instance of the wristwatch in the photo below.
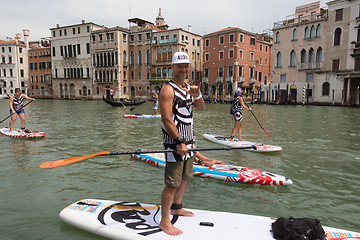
(198, 97)
(179, 140)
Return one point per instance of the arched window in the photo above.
(312, 32)
(337, 37)
(140, 58)
(294, 35)
(279, 60)
(306, 33)
(158, 54)
(124, 75)
(164, 73)
(326, 89)
(311, 55)
(293, 58)
(170, 53)
(318, 31)
(132, 58)
(124, 57)
(148, 57)
(170, 72)
(303, 56)
(164, 54)
(265, 80)
(277, 37)
(319, 55)
(158, 73)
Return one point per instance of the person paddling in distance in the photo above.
(155, 98)
(176, 102)
(236, 110)
(16, 104)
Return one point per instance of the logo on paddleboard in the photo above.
(140, 219)
(250, 174)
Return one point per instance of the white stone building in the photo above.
(14, 64)
(71, 60)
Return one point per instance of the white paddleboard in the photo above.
(141, 116)
(223, 171)
(16, 133)
(236, 143)
(123, 220)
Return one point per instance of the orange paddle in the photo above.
(63, 162)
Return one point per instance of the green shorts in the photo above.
(176, 172)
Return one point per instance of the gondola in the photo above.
(123, 102)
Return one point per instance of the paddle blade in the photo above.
(62, 162)
(266, 132)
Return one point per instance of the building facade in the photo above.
(340, 83)
(298, 54)
(165, 44)
(316, 57)
(71, 61)
(235, 58)
(40, 80)
(109, 48)
(14, 64)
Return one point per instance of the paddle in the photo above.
(14, 113)
(123, 105)
(257, 119)
(132, 109)
(62, 162)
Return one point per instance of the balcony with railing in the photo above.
(252, 80)
(205, 80)
(310, 65)
(241, 79)
(356, 49)
(219, 79)
(158, 79)
(229, 79)
(301, 19)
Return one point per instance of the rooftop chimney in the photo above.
(26, 38)
(57, 25)
(83, 21)
(189, 28)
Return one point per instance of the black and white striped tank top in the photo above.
(182, 115)
(236, 105)
(18, 103)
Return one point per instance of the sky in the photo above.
(204, 16)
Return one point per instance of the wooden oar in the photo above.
(257, 120)
(63, 162)
(15, 112)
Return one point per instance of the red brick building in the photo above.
(233, 57)
(40, 80)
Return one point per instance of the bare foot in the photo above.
(168, 228)
(181, 212)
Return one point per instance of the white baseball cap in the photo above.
(180, 57)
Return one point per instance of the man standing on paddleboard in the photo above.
(16, 104)
(176, 102)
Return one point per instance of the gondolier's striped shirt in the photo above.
(182, 115)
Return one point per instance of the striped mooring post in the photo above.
(303, 95)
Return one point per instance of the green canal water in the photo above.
(321, 154)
